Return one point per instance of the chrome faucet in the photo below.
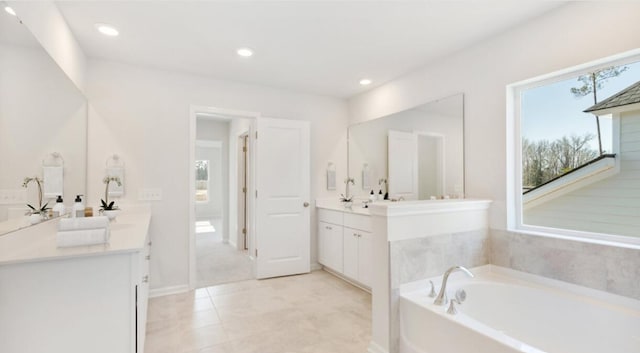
(440, 299)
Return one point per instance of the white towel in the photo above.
(53, 181)
(83, 223)
(82, 237)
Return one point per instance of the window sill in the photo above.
(579, 236)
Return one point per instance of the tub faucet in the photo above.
(440, 299)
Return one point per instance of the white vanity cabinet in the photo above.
(330, 251)
(78, 299)
(345, 244)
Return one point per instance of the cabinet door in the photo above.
(330, 245)
(351, 252)
(365, 258)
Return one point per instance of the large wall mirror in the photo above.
(43, 125)
(415, 154)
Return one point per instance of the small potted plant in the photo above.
(107, 208)
(347, 201)
(36, 215)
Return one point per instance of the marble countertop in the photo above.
(38, 242)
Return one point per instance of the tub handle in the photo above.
(432, 292)
(461, 295)
(451, 310)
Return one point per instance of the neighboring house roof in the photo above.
(629, 95)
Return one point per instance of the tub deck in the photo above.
(510, 311)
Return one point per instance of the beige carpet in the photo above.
(218, 262)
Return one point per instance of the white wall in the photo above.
(573, 34)
(48, 25)
(213, 207)
(218, 205)
(41, 112)
(143, 115)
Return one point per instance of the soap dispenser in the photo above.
(78, 207)
(372, 196)
(58, 209)
(380, 196)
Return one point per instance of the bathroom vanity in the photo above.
(345, 241)
(77, 299)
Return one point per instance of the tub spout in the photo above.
(440, 299)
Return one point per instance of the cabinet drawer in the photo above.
(357, 221)
(330, 216)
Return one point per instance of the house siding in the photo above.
(610, 206)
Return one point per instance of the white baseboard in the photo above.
(160, 292)
(347, 279)
(376, 348)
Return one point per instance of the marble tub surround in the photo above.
(416, 240)
(610, 268)
(311, 313)
(425, 257)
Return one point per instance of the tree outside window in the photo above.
(202, 181)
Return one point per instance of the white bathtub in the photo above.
(508, 311)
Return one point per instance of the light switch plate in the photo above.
(150, 195)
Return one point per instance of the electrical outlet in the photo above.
(13, 197)
(150, 195)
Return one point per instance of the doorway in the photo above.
(281, 211)
(221, 211)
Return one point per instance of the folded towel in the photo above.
(53, 181)
(82, 237)
(98, 222)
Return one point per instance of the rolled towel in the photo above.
(82, 237)
(83, 223)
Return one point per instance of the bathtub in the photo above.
(507, 311)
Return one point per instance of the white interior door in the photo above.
(282, 198)
(403, 165)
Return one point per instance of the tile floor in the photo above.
(218, 262)
(312, 313)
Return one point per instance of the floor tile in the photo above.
(312, 313)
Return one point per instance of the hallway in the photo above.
(219, 262)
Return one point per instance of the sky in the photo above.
(552, 111)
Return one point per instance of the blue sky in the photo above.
(551, 111)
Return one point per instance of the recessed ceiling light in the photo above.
(245, 52)
(365, 81)
(107, 30)
(10, 11)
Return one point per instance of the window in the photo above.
(202, 181)
(576, 152)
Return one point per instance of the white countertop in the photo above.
(336, 205)
(38, 242)
(14, 224)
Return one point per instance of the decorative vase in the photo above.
(35, 218)
(111, 214)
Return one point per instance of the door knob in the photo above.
(306, 204)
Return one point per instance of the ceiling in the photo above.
(321, 47)
(13, 32)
